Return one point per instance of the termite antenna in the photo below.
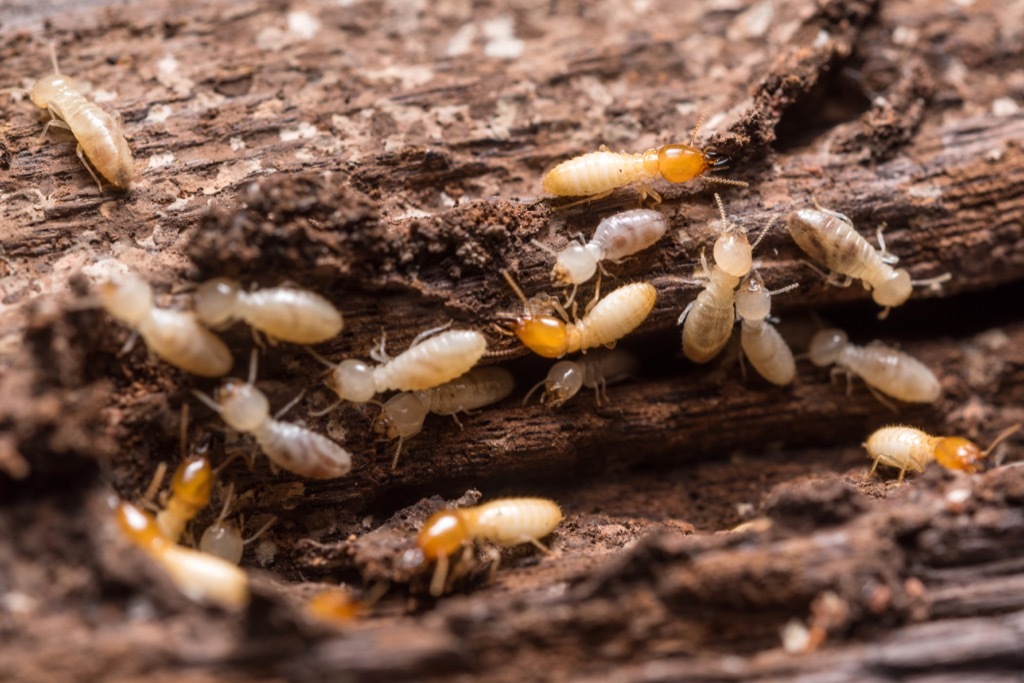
(207, 401)
(725, 181)
(543, 247)
(269, 523)
(1002, 436)
(253, 361)
(696, 129)
(783, 290)
(721, 210)
(933, 282)
(53, 57)
(533, 389)
(763, 233)
(515, 288)
(183, 431)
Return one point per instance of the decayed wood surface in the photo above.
(389, 157)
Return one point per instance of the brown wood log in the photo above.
(390, 157)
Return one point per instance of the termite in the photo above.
(506, 521)
(708, 320)
(224, 539)
(616, 237)
(175, 336)
(423, 365)
(286, 313)
(199, 576)
(290, 446)
(829, 238)
(762, 344)
(99, 135)
(891, 372)
(911, 450)
(190, 492)
(403, 414)
(595, 371)
(598, 174)
(610, 319)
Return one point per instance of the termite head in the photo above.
(127, 298)
(242, 406)
(958, 453)
(733, 252)
(352, 380)
(443, 534)
(139, 526)
(215, 300)
(401, 416)
(753, 300)
(543, 334)
(574, 265)
(679, 163)
(564, 380)
(894, 290)
(46, 89)
(223, 539)
(336, 606)
(193, 481)
(826, 346)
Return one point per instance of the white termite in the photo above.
(286, 313)
(423, 365)
(224, 539)
(290, 446)
(708, 320)
(596, 371)
(911, 449)
(175, 336)
(829, 238)
(99, 135)
(762, 344)
(892, 372)
(403, 414)
(616, 237)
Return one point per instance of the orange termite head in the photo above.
(545, 335)
(193, 481)
(958, 453)
(443, 534)
(679, 163)
(139, 526)
(335, 605)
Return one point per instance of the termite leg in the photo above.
(154, 483)
(288, 406)
(130, 344)
(440, 577)
(881, 399)
(540, 546)
(885, 255)
(328, 409)
(686, 312)
(398, 454)
(81, 157)
(592, 198)
(427, 333)
(380, 354)
(55, 122)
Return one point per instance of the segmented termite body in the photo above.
(599, 173)
(175, 336)
(191, 488)
(99, 135)
(762, 344)
(616, 237)
(611, 319)
(290, 446)
(595, 371)
(911, 449)
(286, 313)
(423, 365)
(829, 238)
(709, 319)
(891, 372)
(199, 576)
(506, 521)
(402, 415)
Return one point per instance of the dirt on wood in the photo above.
(388, 156)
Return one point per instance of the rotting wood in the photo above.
(862, 104)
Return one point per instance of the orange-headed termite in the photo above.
(911, 450)
(290, 446)
(609, 320)
(506, 521)
(175, 336)
(708, 320)
(99, 135)
(198, 575)
(762, 344)
(829, 238)
(425, 364)
(891, 372)
(286, 313)
(598, 174)
(402, 415)
(595, 371)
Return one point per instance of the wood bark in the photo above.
(389, 157)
